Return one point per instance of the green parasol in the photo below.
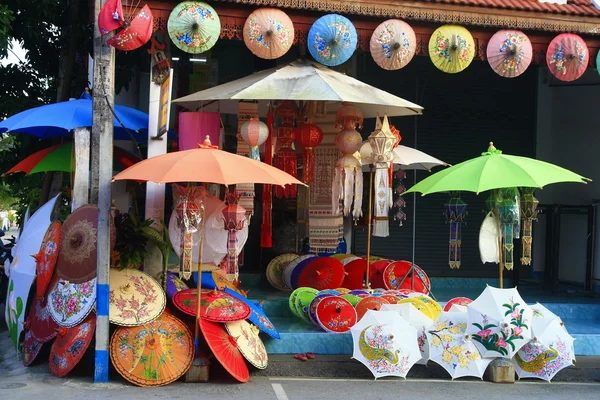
(494, 170)
(194, 27)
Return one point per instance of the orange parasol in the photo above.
(248, 342)
(70, 346)
(369, 303)
(225, 350)
(268, 33)
(46, 258)
(154, 354)
(214, 305)
(222, 283)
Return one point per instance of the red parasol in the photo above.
(459, 301)
(136, 32)
(31, 348)
(567, 57)
(336, 314)
(369, 303)
(214, 305)
(110, 17)
(46, 258)
(225, 350)
(396, 271)
(322, 273)
(376, 274)
(355, 274)
(70, 346)
(40, 324)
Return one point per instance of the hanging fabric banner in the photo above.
(529, 212)
(456, 211)
(246, 112)
(266, 228)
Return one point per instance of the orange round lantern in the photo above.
(309, 136)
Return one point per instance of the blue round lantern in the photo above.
(332, 40)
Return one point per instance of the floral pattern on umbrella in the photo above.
(69, 303)
(378, 348)
(136, 301)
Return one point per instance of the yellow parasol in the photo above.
(248, 342)
(135, 298)
(451, 48)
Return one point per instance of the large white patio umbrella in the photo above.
(300, 81)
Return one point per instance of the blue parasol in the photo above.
(332, 39)
(60, 119)
(258, 316)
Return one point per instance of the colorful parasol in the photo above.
(275, 267)
(111, 16)
(355, 273)
(460, 301)
(451, 48)
(194, 27)
(509, 53)
(70, 346)
(70, 303)
(248, 343)
(453, 348)
(369, 303)
(312, 308)
(135, 298)
(214, 305)
(225, 350)
(332, 39)
(393, 44)
(567, 57)
(377, 270)
(419, 321)
(322, 273)
(268, 33)
(397, 275)
(419, 305)
(353, 299)
(222, 282)
(136, 32)
(257, 316)
(46, 258)
(289, 269)
(77, 255)
(336, 314)
(434, 307)
(154, 354)
(174, 284)
(31, 348)
(499, 322)
(300, 301)
(40, 323)
(385, 343)
(295, 277)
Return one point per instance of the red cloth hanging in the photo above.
(266, 237)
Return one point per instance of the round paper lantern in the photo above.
(348, 141)
(309, 136)
(254, 132)
(349, 116)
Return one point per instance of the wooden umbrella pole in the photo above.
(500, 263)
(199, 285)
(367, 283)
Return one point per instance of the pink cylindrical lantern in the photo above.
(254, 132)
(195, 126)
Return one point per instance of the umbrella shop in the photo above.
(280, 213)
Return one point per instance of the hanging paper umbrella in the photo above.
(136, 31)
(70, 346)
(254, 132)
(322, 273)
(355, 273)
(31, 348)
(194, 26)
(268, 33)
(39, 322)
(461, 301)
(135, 298)
(385, 343)
(154, 354)
(70, 303)
(77, 256)
(456, 212)
(567, 57)
(509, 53)
(453, 348)
(46, 258)
(499, 322)
(111, 16)
(257, 316)
(335, 314)
(393, 44)
(332, 39)
(174, 284)
(225, 350)
(451, 48)
(369, 303)
(419, 321)
(248, 343)
(529, 212)
(214, 305)
(275, 267)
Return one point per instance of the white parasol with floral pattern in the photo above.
(499, 322)
(453, 349)
(419, 321)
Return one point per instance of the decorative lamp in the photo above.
(190, 212)
(309, 136)
(382, 141)
(349, 116)
(529, 212)
(254, 132)
(456, 212)
(508, 210)
(285, 159)
(234, 217)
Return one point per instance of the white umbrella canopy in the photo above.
(23, 268)
(452, 348)
(547, 353)
(499, 322)
(404, 157)
(385, 343)
(300, 81)
(419, 321)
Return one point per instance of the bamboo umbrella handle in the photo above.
(367, 283)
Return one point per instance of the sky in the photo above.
(12, 58)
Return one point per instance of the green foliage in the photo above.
(6, 18)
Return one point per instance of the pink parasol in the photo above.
(509, 53)
(268, 33)
(567, 57)
(393, 44)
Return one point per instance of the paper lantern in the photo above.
(254, 132)
(234, 217)
(286, 159)
(382, 143)
(456, 211)
(508, 208)
(529, 212)
(190, 211)
(309, 137)
(349, 116)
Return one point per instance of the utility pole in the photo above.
(102, 163)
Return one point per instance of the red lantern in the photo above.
(309, 137)
(286, 159)
(234, 217)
